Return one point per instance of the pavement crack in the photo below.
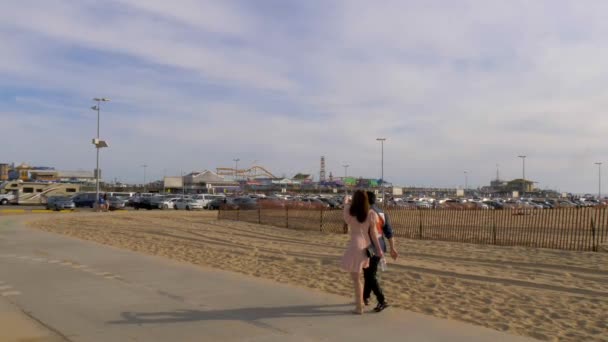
(47, 326)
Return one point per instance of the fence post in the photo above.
(286, 217)
(321, 225)
(420, 223)
(259, 215)
(593, 241)
(494, 227)
(219, 214)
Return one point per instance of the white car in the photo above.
(168, 203)
(188, 204)
(204, 199)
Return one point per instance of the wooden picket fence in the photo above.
(582, 229)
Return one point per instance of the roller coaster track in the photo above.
(253, 171)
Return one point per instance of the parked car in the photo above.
(216, 203)
(204, 199)
(494, 204)
(187, 204)
(245, 203)
(144, 203)
(314, 203)
(167, 203)
(85, 199)
(566, 204)
(135, 200)
(116, 203)
(543, 204)
(60, 203)
(332, 204)
(156, 201)
(423, 205)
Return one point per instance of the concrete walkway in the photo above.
(83, 291)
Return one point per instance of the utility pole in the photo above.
(345, 175)
(164, 176)
(599, 180)
(523, 171)
(145, 186)
(497, 172)
(183, 184)
(382, 140)
(236, 167)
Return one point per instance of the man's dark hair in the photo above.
(371, 198)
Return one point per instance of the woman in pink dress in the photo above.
(360, 219)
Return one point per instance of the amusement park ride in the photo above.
(253, 172)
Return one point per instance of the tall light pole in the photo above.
(382, 140)
(255, 169)
(466, 181)
(599, 180)
(164, 176)
(145, 167)
(523, 172)
(345, 166)
(183, 185)
(236, 167)
(98, 144)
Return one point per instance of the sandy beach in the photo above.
(545, 294)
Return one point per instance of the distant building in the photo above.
(4, 168)
(43, 175)
(506, 188)
(498, 184)
(284, 181)
(62, 176)
(23, 171)
(76, 176)
(198, 182)
(519, 184)
(302, 178)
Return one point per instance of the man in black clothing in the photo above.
(369, 274)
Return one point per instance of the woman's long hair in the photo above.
(359, 207)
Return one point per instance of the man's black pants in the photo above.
(371, 280)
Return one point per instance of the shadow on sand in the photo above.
(250, 315)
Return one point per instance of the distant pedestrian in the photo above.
(362, 222)
(103, 200)
(382, 229)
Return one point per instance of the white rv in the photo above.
(37, 192)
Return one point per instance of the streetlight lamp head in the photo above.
(103, 99)
(94, 108)
(380, 139)
(100, 143)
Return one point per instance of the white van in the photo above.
(204, 199)
(125, 195)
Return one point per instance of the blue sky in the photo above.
(452, 85)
